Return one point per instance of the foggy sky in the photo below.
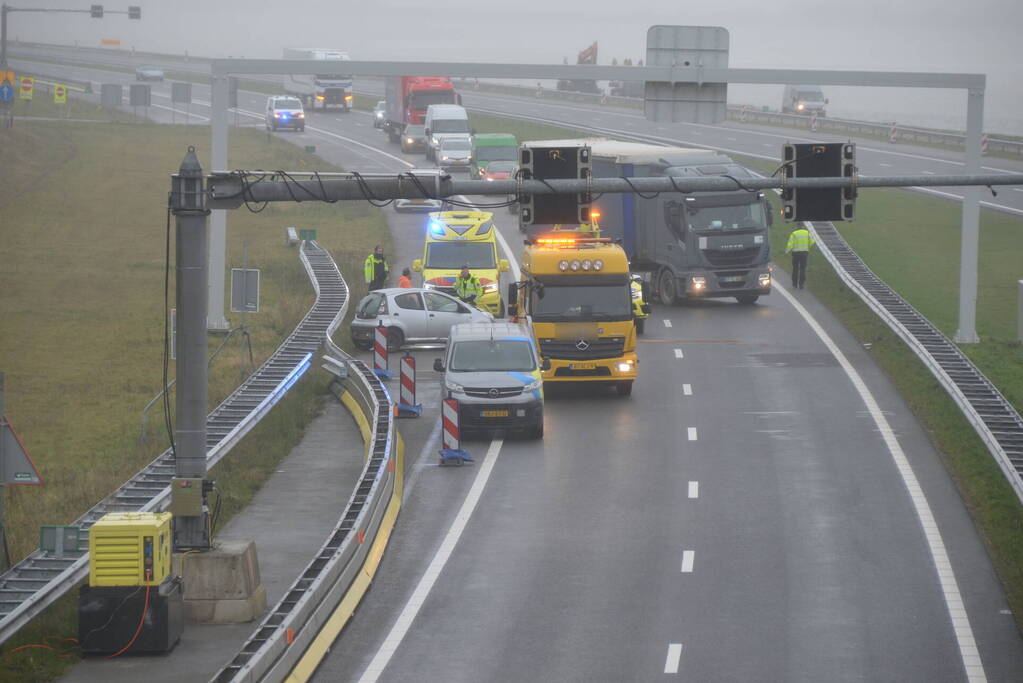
(917, 35)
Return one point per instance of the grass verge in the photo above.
(83, 280)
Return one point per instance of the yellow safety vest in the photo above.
(799, 240)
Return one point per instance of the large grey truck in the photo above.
(694, 245)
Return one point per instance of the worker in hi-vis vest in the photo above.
(376, 269)
(467, 286)
(799, 245)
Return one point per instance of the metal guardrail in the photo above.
(995, 420)
(284, 635)
(39, 579)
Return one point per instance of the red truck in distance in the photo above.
(407, 98)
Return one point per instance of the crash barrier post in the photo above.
(451, 451)
(407, 406)
(893, 133)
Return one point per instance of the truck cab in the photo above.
(576, 297)
(487, 147)
(803, 99)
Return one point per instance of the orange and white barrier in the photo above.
(451, 450)
(893, 133)
(380, 352)
(407, 406)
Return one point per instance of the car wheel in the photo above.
(395, 338)
(640, 325)
(537, 430)
(747, 299)
(624, 388)
(301, 129)
(667, 288)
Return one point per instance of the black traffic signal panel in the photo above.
(819, 160)
(554, 163)
(96, 11)
(134, 12)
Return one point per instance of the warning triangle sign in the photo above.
(15, 465)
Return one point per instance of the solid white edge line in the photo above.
(415, 602)
(672, 660)
(678, 353)
(692, 433)
(694, 489)
(687, 389)
(968, 652)
(688, 558)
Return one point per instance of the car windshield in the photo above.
(711, 218)
(453, 255)
(500, 355)
(415, 131)
(450, 126)
(459, 145)
(289, 103)
(811, 94)
(497, 153)
(593, 300)
(421, 99)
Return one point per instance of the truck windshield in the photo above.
(810, 95)
(500, 355)
(449, 126)
(421, 99)
(454, 255)
(333, 77)
(582, 302)
(497, 153)
(713, 218)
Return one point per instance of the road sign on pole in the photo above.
(15, 465)
(26, 88)
(59, 94)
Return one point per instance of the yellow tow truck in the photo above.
(576, 297)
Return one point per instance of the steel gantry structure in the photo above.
(974, 84)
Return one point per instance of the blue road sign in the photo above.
(6, 92)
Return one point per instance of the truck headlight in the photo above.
(490, 287)
(429, 285)
(800, 106)
(624, 366)
(764, 279)
(699, 282)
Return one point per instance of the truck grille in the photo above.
(583, 349)
(732, 257)
(485, 392)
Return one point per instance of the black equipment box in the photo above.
(108, 617)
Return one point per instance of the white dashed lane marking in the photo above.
(678, 353)
(667, 323)
(694, 489)
(672, 660)
(688, 558)
(687, 389)
(692, 433)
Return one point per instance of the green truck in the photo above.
(487, 147)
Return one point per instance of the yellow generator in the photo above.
(130, 549)
(132, 604)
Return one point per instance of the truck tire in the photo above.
(667, 287)
(747, 299)
(624, 388)
(391, 136)
(640, 325)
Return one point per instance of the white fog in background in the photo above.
(982, 36)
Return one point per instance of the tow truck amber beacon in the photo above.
(575, 295)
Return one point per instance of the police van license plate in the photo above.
(583, 366)
(493, 413)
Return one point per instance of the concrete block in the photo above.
(227, 611)
(230, 571)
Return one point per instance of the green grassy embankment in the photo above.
(82, 272)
